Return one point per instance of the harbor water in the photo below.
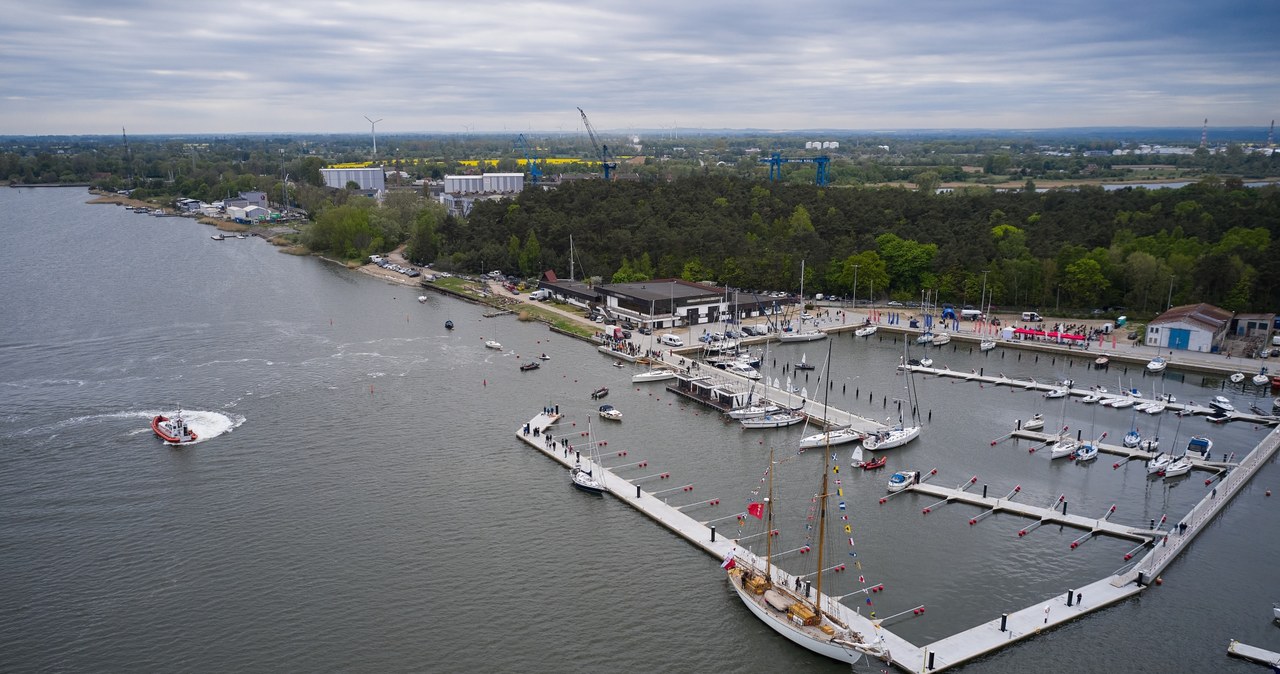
(358, 501)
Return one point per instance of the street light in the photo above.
(1170, 302)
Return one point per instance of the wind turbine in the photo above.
(373, 129)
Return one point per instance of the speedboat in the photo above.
(1157, 364)
(656, 374)
(1132, 439)
(1261, 379)
(743, 370)
(903, 479)
(1091, 398)
(941, 339)
(174, 431)
(865, 331)
(544, 357)
(610, 412)
(1236, 378)
(1179, 466)
(531, 365)
(1101, 362)
(1200, 444)
(1056, 393)
(493, 344)
(894, 437)
(1035, 423)
(1157, 465)
(422, 299)
(1222, 404)
(873, 464)
(218, 237)
(600, 393)
(926, 362)
(838, 436)
(986, 345)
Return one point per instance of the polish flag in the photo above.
(729, 562)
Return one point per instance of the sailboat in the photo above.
(583, 477)
(804, 334)
(901, 434)
(1065, 446)
(790, 605)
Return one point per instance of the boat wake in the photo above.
(207, 424)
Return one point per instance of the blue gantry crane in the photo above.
(530, 160)
(602, 151)
(776, 160)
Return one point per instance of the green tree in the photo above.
(1084, 281)
(531, 256)
(906, 261)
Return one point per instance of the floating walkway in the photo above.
(543, 434)
(1253, 653)
(1041, 515)
(1033, 385)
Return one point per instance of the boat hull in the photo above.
(895, 438)
(811, 336)
(778, 623)
(159, 426)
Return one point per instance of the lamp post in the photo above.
(855, 286)
(1170, 301)
(1058, 302)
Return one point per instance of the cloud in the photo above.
(73, 66)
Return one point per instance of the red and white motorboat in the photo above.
(174, 431)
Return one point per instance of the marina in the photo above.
(966, 645)
(357, 540)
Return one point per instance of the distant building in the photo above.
(1192, 327)
(461, 191)
(369, 178)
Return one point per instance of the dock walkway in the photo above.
(1033, 385)
(1253, 653)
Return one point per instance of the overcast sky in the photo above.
(88, 67)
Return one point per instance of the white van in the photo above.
(970, 314)
(1031, 316)
(542, 294)
(670, 339)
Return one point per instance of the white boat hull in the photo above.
(986, 346)
(807, 336)
(865, 332)
(894, 438)
(833, 438)
(652, 375)
(1063, 448)
(778, 623)
(753, 411)
(771, 421)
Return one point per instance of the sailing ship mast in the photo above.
(822, 494)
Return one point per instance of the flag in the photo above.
(851, 542)
(729, 562)
(862, 579)
(848, 529)
(756, 510)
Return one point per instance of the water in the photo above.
(359, 501)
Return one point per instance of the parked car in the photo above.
(646, 330)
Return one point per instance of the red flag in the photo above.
(756, 510)
(729, 562)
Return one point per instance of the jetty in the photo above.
(1033, 385)
(543, 433)
(1253, 653)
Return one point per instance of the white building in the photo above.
(250, 213)
(489, 183)
(370, 178)
(463, 184)
(1192, 327)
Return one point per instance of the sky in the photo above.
(491, 66)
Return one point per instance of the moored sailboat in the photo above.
(792, 605)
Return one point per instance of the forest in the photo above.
(1082, 248)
